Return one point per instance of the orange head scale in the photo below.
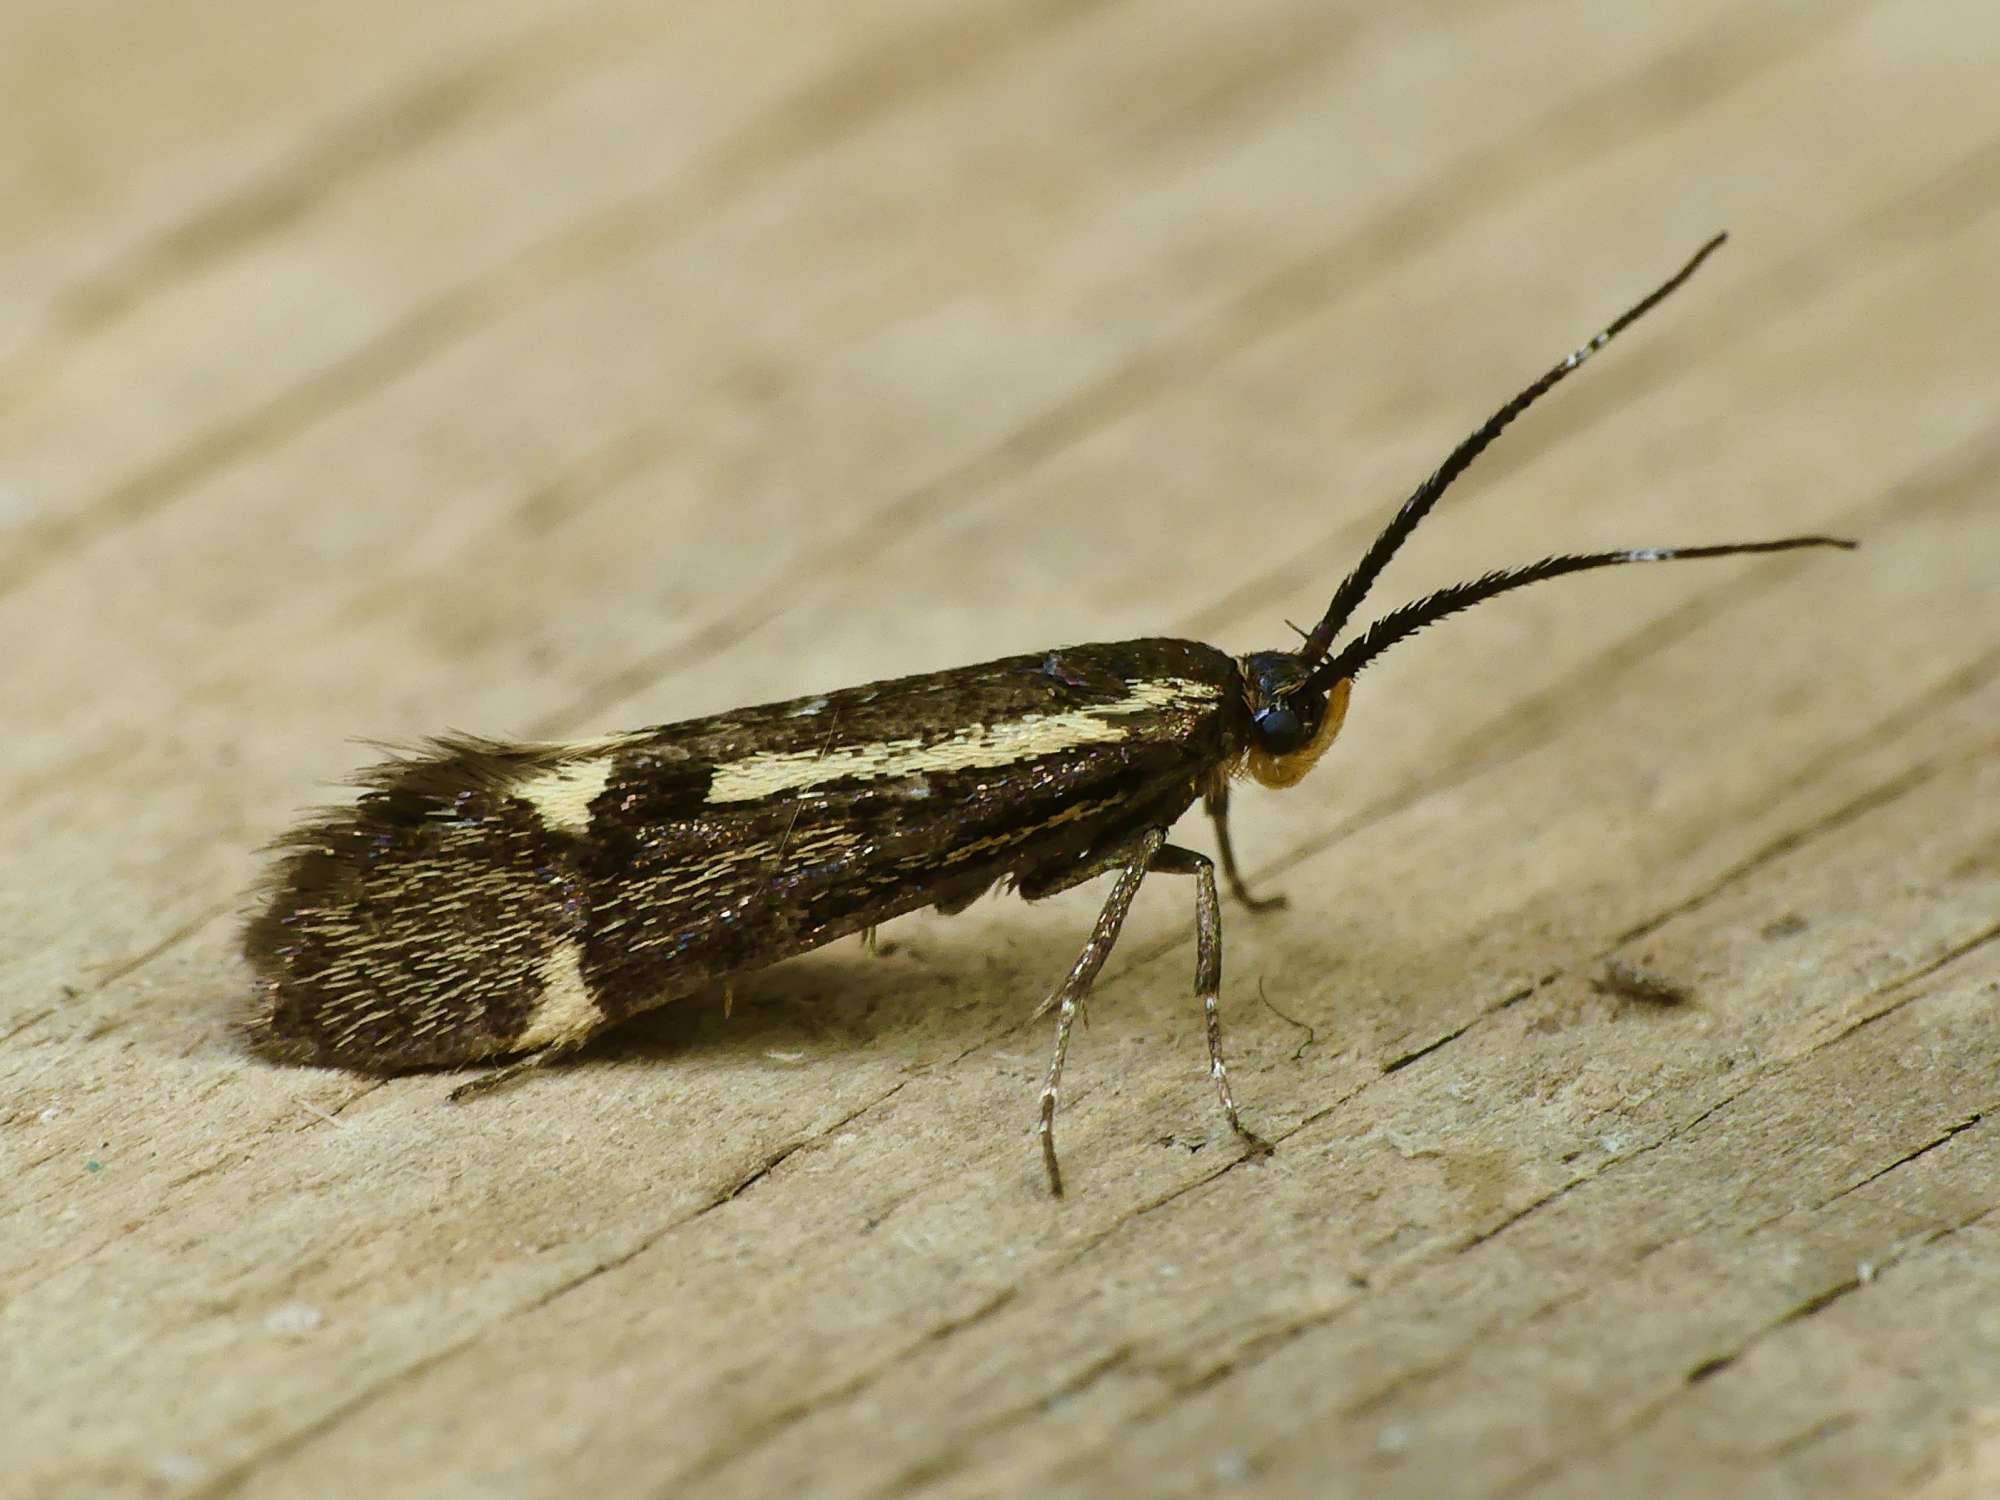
(1297, 699)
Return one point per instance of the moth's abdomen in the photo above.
(439, 920)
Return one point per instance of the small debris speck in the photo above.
(293, 1319)
(1784, 927)
(93, 1165)
(1632, 982)
(180, 1468)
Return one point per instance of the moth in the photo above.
(483, 900)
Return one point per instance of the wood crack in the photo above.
(753, 1436)
(1905, 1159)
(1719, 1363)
(232, 1479)
(1909, 982)
(1268, 1343)
(1788, 843)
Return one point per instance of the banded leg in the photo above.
(1068, 996)
(1171, 859)
(1216, 804)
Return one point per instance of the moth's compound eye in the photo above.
(1284, 714)
(1281, 728)
(1291, 722)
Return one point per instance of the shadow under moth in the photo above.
(483, 900)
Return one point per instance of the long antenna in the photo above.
(1353, 588)
(1399, 624)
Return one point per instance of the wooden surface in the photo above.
(372, 369)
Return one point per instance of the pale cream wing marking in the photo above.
(566, 1012)
(561, 796)
(975, 746)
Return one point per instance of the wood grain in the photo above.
(541, 371)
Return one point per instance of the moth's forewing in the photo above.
(482, 899)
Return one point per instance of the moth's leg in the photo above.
(1068, 997)
(1053, 880)
(508, 1072)
(1171, 859)
(1217, 805)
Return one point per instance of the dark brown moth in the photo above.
(483, 900)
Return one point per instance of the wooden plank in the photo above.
(544, 372)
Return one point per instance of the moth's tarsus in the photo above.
(481, 900)
(500, 1077)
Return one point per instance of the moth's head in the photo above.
(1292, 720)
(1298, 698)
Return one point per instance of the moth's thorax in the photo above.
(1290, 723)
